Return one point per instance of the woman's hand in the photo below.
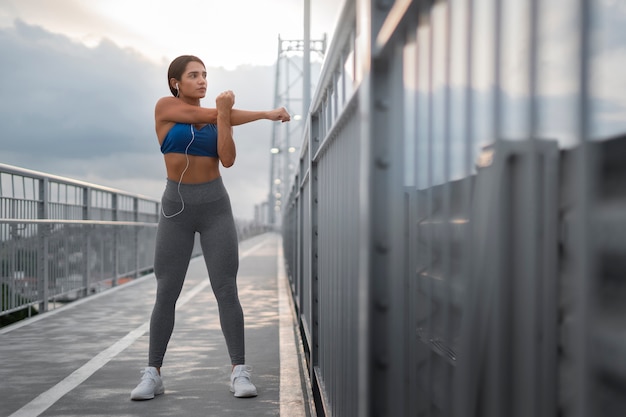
(279, 114)
(225, 101)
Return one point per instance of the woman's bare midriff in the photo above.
(201, 168)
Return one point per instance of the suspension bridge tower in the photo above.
(293, 75)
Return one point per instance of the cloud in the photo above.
(88, 113)
(67, 100)
(159, 30)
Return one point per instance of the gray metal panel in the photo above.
(603, 323)
(338, 194)
(306, 279)
(507, 364)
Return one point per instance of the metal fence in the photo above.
(455, 234)
(62, 239)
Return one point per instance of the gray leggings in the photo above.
(206, 211)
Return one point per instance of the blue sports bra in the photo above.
(180, 136)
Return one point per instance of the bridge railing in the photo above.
(58, 261)
(455, 232)
(321, 227)
(61, 239)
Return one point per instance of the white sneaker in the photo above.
(240, 383)
(150, 385)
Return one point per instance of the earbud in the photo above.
(177, 86)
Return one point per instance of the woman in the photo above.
(194, 140)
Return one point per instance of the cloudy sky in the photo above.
(80, 79)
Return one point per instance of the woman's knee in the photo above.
(226, 293)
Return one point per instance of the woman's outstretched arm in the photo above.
(240, 117)
(170, 109)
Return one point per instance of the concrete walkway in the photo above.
(84, 359)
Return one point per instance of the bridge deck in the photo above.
(84, 359)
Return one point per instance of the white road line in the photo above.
(46, 399)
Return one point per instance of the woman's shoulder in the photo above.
(164, 107)
(167, 100)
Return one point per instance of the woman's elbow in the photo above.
(228, 162)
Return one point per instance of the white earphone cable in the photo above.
(169, 216)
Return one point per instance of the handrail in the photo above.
(83, 222)
(335, 52)
(10, 169)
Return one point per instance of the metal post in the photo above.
(288, 53)
(314, 143)
(284, 148)
(86, 216)
(116, 245)
(362, 52)
(584, 193)
(271, 198)
(306, 62)
(44, 272)
(136, 236)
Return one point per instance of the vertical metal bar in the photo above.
(583, 173)
(44, 270)
(300, 236)
(363, 54)
(534, 69)
(314, 300)
(306, 62)
(428, 271)
(35, 191)
(116, 239)
(341, 87)
(335, 96)
(15, 210)
(386, 224)
(43, 212)
(86, 231)
(14, 202)
(412, 245)
(271, 198)
(11, 264)
(379, 245)
(284, 148)
(547, 316)
(136, 242)
(43, 281)
(469, 96)
(527, 346)
(417, 381)
(586, 11)
(497, 70)
(499, 380)
(86, 203)
(328, 266)
(388, 128)
(464, 405)
(447, 270)
(24, 209)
